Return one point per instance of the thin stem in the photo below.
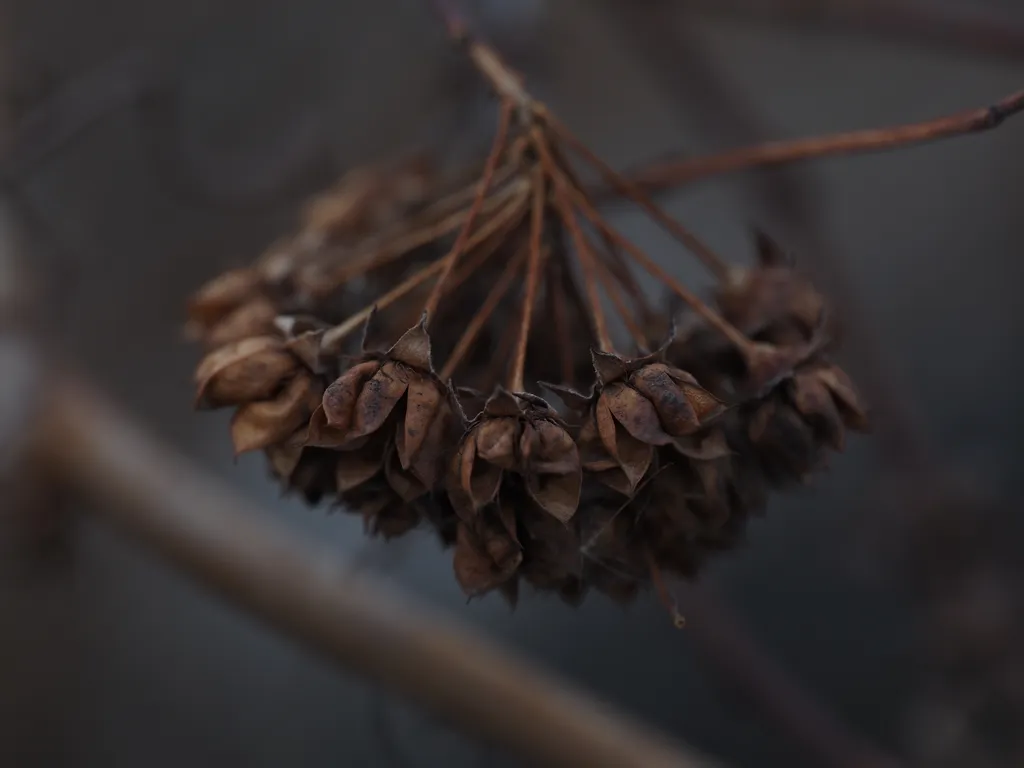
(533, 270)
(505, 82)
(494, 297)
(494, 233)
(663, 175)
(664, 593)
(380, 254)
(556, 299)
(727, 329)
(619, 269)
(331, 342)
(500, 139)
(634, 192)
(614, 291)
(586, 255)
(495, 371)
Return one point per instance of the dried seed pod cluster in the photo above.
(619, 468)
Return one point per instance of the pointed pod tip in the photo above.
(413, 348)
(608, 366)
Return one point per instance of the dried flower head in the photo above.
(506, 281)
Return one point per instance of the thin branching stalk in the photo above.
(461, 242)
(670, 174)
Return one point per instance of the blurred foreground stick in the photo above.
(203, 529)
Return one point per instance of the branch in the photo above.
(213, 536)
(927, 24)
(664, 175)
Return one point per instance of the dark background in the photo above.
(108, 659)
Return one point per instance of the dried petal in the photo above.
(496, 441)
(478, 479)
(254, 318)
(247, 370)
(554, 451)
(854, 413)
(423, 407)
(609, 367)
(635, 413)
(263, 423)
(576, 402)
(475, 569)
(554, 475)
(632, 455)
(558, 495)
(339, 402)
(404, 483)
(413, 348)
(677, 415)
(320, 434)
(813, 399)
(378, 398)
(429, 462)
(221, 295)
(357, 467)
(284, 457)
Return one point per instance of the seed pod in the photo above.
(522, 439)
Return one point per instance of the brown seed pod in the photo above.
(637, 405)
(771, 301)
(387, 412)
(525, 438)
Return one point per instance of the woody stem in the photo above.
(634, 192)
(533, 270)
(506, 83)
(490, 166)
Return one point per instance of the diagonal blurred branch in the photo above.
(928, 24)
(212, 536)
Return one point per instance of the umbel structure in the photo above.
(476, 355)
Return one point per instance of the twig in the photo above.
(925, 23)
(213, 536)
(663, 175)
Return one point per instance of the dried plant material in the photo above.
(656, 468)
(263, 423)
(243, 371)
(768, 297)
(524, 439)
